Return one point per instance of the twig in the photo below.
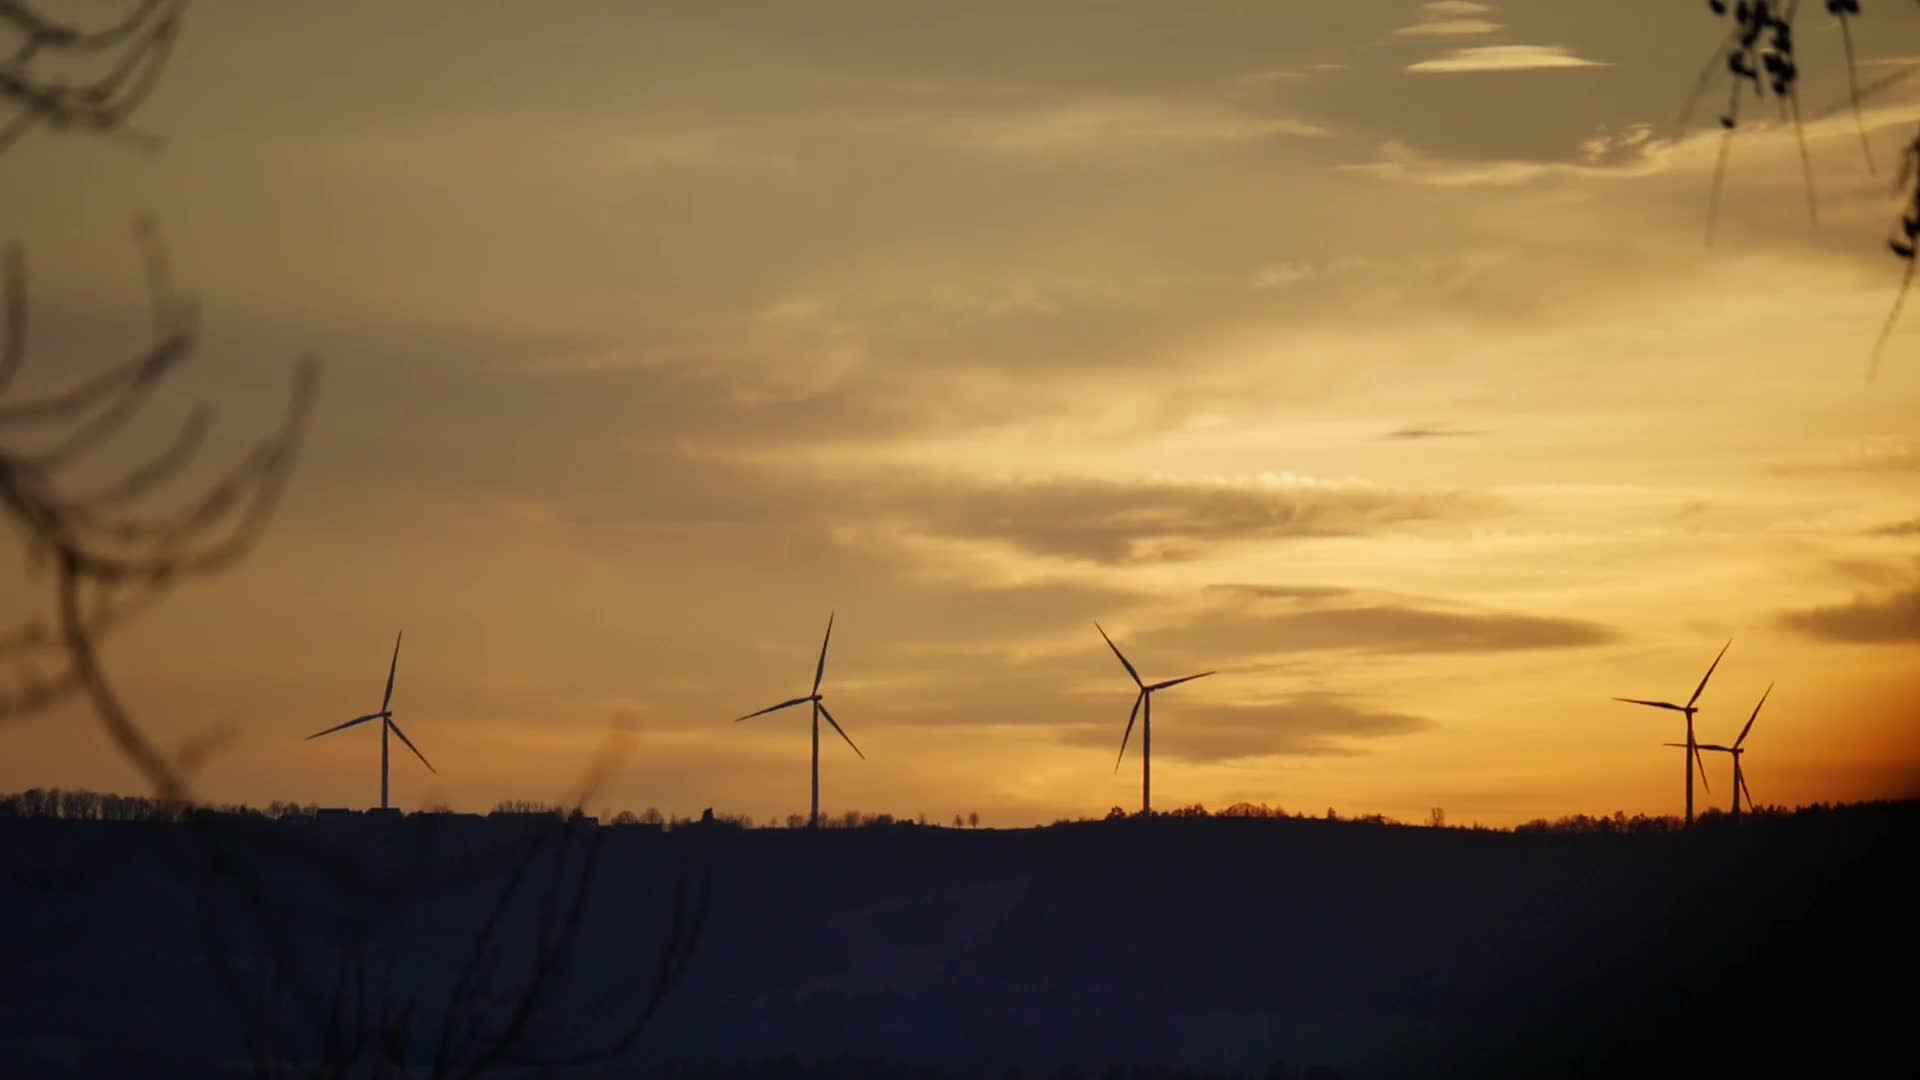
(143, 40)
(1842, 9)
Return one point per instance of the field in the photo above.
(1231, 946)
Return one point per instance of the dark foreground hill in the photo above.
(1775, 946)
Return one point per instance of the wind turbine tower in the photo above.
(1739, 774)
(1142, 708)
(385, 716)
(1693, 750)
(818, 701)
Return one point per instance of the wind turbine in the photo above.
(1145, 698)
(819, 710)
(1692, 747)
(1739, 775)
(385, 716)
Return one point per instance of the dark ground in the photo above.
(1778, 946)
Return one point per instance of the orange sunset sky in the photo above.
(1369, 352)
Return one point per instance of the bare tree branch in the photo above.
(135, 50)
(1759, 51)
(112, 560)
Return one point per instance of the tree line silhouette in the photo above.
(72, 804)
(80, 804)
(797, 1068)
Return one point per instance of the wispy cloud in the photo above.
(1267, 626)
(1890, 617)
(1115, 124)
(1449, 28)
(1280, 275)
(1430, 431)
(1249, 625)
(1310, 724)
(1260, 80)
(1877, 456)
(786, 351)
(1909, 527)
(1632, 151)
(1450, 18)
(1397, 162)
(1481, 58)
(1280, 592)
(1112, 521)
(1616, 147)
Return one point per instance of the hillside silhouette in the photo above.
(1233, 946)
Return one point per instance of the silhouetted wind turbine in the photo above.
(1739, 774)
(385, 716)
(1693, 748)
(819, 710)
(1145, 698)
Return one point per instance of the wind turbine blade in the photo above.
(1709, 674)
(1655, 704)
(774, 708)
(1125, 735)
(1740, 775)
(1700, 761)
(1700, 746)
(1123, 660)
(386, 700)
(1177, 682)
(1755, 716)
(820, 669)
(348, 724)
(836, 727)
(410, 746)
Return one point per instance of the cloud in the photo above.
(1123, 124)
(1430, 431)
(1620, 147)
(1249, 624)
(1909, 527)
(1480, 58)
(1450, 28)
(1876, 456)
(787, 351)
(1769, 157)
(974, 617)
(1262, 79)
(1878, 573)
(1395, 161)
(1154, 520)
(1280, 275)
(1890, 617)
(1307, 725)
(946, 523)
(1281, 592)
(1263, 627)
(1450, 18)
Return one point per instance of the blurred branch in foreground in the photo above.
(113, 549)
(74, 77)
